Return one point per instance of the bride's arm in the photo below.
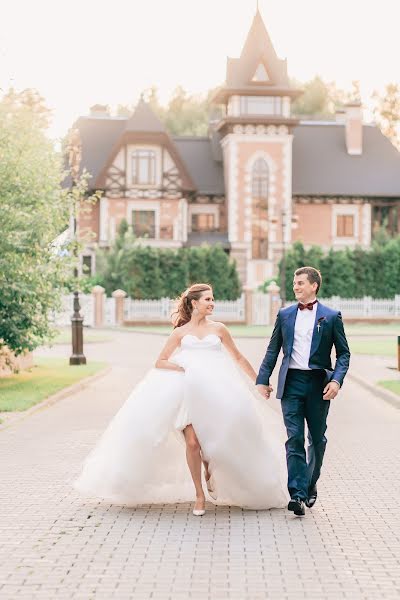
(163, 361)
(234, 351)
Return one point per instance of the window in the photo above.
(203, 222)
(144, 167)
(345, 225)
(260, 184)
(260, 179)
(144, 223)
(386, 216)
(260, 105)
(260, 73)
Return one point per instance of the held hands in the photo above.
(265, 390)
(331, 390)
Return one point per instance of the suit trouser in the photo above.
(302, 401)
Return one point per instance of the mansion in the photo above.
(259, 181)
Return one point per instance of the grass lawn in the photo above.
(378, 346)
(48, 376)
(358, 330)
(393, 386)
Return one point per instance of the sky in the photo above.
(83, 52)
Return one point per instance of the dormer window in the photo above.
(260, 74)
(143, 167)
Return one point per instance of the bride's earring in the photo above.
(195, 311)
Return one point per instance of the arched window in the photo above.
(260, 180)
(260, 185)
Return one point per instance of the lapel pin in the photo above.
(319, 323)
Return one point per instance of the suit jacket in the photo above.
(329, 333)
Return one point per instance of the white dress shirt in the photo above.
(303, 332)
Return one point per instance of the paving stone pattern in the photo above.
(55, 545)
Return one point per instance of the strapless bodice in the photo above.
(208, 342)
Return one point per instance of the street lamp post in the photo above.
(74, 159)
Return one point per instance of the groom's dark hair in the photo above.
(313, 275)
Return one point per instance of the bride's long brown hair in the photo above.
(184, 308)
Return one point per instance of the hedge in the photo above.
(349, 273)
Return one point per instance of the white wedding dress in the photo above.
(141, 459)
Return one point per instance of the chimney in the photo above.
(354, 128)
(100, 111)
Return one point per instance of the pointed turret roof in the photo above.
(144, 119)
(258, 70)
(257, 50)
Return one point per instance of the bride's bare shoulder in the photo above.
(179, 332)
(218, 327)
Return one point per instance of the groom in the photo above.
(306, 332)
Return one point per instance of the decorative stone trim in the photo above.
(330, 200)
(252, 130)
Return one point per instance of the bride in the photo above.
(195, 396)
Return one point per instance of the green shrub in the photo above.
(350, 273)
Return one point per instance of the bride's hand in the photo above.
(265, 390)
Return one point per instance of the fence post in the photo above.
(274, 301)
(165, 314)
(248, 305)
(98, 309)
(119, 296)
(367, 306)
(397, 306)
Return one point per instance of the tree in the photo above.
(34, 210)
(31, 101)
(141, 274)
(222, 274)
(174, 268)
(337, 269)
(387, 112)
(391, 268)
(351, 273)
(295, 258)
(319, 99)
(145, 272)
(184, 114)
(197, 260)
(110, 267)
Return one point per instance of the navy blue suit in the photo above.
(301, 391)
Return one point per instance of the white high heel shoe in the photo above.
(199, 512)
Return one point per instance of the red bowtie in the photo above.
(309, 305)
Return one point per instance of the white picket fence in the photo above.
(63, 317)
(109, 312)
(260, 310)
(160, 311)
(365, 308)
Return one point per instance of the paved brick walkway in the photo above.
(54, 545)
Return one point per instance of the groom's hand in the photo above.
(331, 390)
(265, 390)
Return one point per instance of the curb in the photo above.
(68, 391)
(386, 395)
